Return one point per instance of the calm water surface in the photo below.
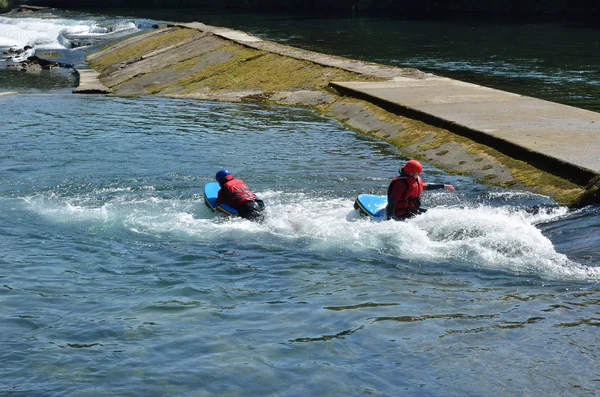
(116, 279)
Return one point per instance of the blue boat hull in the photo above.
(211, 191)
(371, 205)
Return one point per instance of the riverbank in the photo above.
(204, 62)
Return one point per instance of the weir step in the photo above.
(89, 83)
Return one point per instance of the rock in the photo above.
(18, 54)
(35, 64)
(27, 8)
(302, 97)
(43, 63)
(33, 68)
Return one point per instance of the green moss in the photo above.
(145, 46)
(591, 195)
(46, 55)
(486, 167)
(442, 152)
(258, 98)
(249, 69)
(253, 69)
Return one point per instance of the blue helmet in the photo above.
(220, 177)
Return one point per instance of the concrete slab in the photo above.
(194, 47)
(89, 83)
(230, 34)
(554, 132)
(129, 41)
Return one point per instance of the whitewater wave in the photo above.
(48, 33)
(503, 239)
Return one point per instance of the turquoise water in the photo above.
(117, 280)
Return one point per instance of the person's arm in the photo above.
(222, 196)
(389, 209)
(434, 186)
(395, 190)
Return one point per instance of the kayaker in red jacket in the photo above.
(405, 190)
(235, 193)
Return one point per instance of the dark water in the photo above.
(115, 279)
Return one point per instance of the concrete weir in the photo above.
(89, 83)
(497, 137)
(562, 139)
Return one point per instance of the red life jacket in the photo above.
(237, 193)
(409, 200)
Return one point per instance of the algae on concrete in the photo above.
(143, 46)
(458, 154)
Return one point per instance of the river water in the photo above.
(116, 279)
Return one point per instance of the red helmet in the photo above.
(412, 166)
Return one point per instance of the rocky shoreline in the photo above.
(210, 63)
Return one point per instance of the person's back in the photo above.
(405, 190)
(235, 193)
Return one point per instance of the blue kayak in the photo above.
(371, 205)
(211, 191)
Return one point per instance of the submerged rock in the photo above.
(34, 63)
(28, 8)
(18, 54)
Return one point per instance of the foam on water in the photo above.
(57, 33)
(500, 239)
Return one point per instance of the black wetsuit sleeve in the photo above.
(434, 186)
(389, 208)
